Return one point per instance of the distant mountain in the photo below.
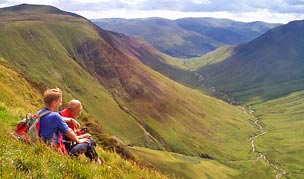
(265, 68)
(187, 37)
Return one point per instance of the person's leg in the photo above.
(77, 149)
(91, 152)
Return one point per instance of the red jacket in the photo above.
(67, 113)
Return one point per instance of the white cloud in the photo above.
(241, 10)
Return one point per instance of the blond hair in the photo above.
(51, 95)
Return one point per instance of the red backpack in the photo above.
(28, 128)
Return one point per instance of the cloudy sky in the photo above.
(281, 11)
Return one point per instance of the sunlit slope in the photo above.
(73, 54)
(284, 139)
(38, 48)
(266, 68)
(213, 57)
(186, 166)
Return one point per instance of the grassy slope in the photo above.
(283, 142)
(194, 167)
(212, 57)
(18, 160)
(186, 166)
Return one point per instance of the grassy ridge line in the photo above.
(283, 143)
(46, 60)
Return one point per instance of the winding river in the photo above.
(253, 147)
(262, 132)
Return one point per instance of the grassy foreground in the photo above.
(19, 160)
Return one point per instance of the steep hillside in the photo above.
(171, 67)
(268, 67)
(188, 37)
(124, 97)
(38, 48)
(18, 160)
(39, 161)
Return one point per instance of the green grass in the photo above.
(282, 119)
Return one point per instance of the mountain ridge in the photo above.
(272, 62)
(35, 9)
(186, 37)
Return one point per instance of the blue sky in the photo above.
(281, 11)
